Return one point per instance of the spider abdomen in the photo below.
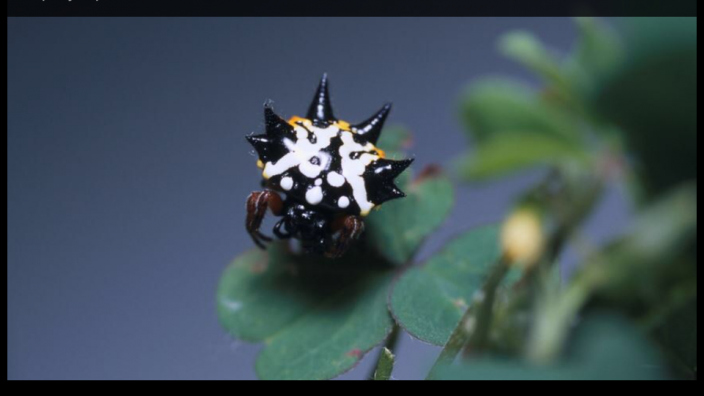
(326, 165)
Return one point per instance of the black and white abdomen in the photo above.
(324, 167)
(326, 163)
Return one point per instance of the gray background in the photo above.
(128, 170)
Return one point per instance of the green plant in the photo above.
(493, 295)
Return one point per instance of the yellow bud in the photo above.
(522, 237)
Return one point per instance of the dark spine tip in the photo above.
(397, 167)
(321, 107)
(275, 125)
(379, 179)
(386, 169)
(407, 162)
(260, 144)
(370, 129)
(397, 193)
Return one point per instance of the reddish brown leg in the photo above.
(257, 204)
(350, 227)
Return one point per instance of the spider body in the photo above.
(331, 173)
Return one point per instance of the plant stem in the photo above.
(453, 346)
(552, 326)
(383, 360)
(385, 365)
(472, 328)
(478, 340)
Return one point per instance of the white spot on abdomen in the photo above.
(335, 179)
(314, 195)
(343, 202)
(287, 183)
(318, 181)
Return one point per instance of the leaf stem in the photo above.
(480, 337)
(458, 338)
(552, 326)
(385, 361)
(385, 365)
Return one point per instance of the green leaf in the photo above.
(597, 53)
(611, 347)
(599, 49)
(651, 273)
(394, 140)
(317, 316)
(331, 338)
(504, 154)
(495, 106)
(526, 49)
(428, 302)
(397, 229)
(385, 366)
(514, 129)
(605, 347)
(657, 254)
(258, 295)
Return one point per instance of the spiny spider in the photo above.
(330, 171)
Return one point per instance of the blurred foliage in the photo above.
(619, 109)
(501, 112)
(605, 347)
(652, 97)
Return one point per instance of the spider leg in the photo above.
(350, 227)
(257, 204)
(280, 233)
